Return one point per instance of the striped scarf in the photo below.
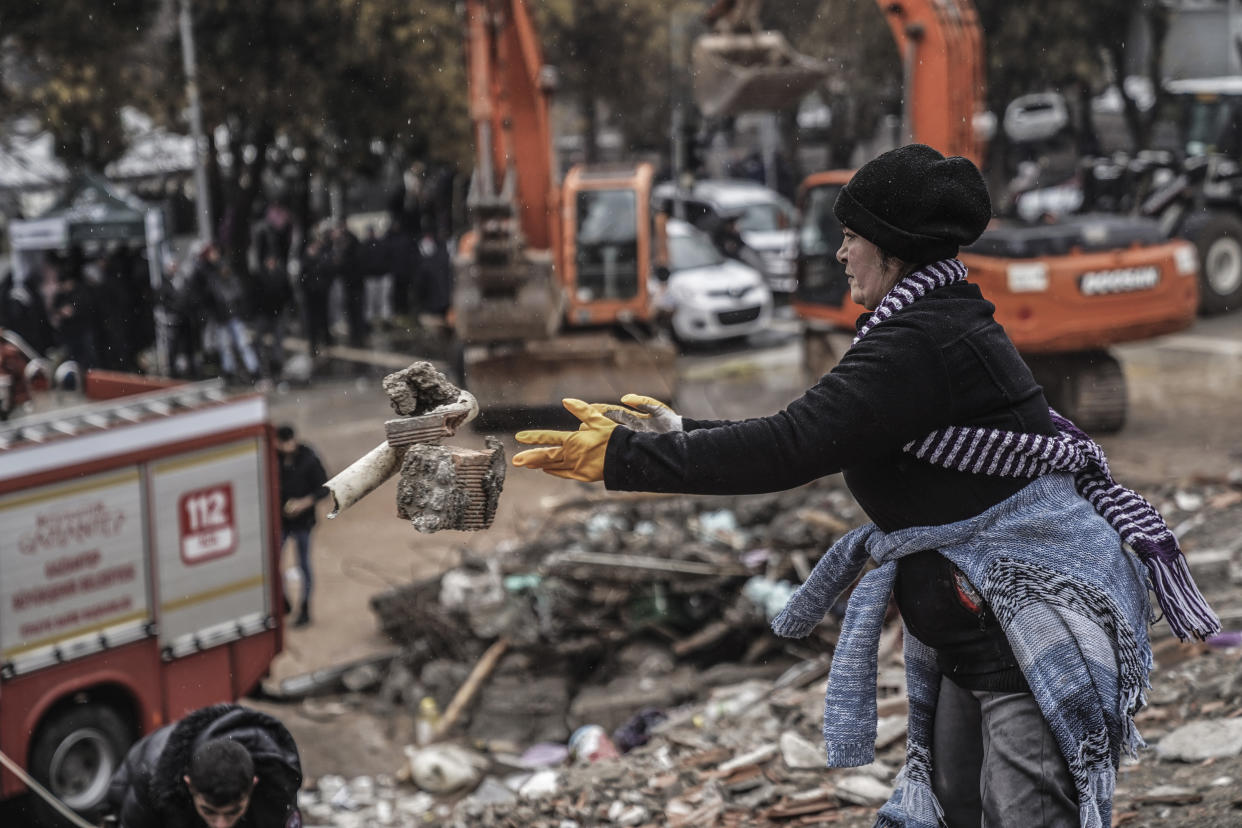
(1012, 454)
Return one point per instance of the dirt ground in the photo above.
(1185, 422)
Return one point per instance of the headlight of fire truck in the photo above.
(1186, 259)
(1027, 277)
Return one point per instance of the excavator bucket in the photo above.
(741, 72)
(515, 301)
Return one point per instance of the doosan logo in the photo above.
(1123, 280)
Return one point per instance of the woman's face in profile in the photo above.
(869, 279)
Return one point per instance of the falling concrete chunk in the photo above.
(466, 484)
(448, 487)
(1204, 739)
(418, 389)
(430, 406)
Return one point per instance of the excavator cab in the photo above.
(551, 298)
(607, 257)
(604, 346)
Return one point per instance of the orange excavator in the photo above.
(1065, 292)
(551, 295)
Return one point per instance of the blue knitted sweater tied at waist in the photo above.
(1072, 602)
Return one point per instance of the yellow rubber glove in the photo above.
(652, 415)
(574, 455)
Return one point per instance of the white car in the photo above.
(711, 297)
(765, 219)
(1036, 117)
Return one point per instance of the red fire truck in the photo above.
(139, 572)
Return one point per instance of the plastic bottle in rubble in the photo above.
(427, 722)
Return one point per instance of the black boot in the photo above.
(303, 616)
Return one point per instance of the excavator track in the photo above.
(1089, 387)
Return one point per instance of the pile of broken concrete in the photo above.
(631, 678)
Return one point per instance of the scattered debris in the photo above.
(1204, 739)
(445, 768)
(640, 624)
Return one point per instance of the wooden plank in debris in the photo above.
(705, 637)
(703, 758)
(806, 802)
(745, 778)
(823, 520)
(754, 757)
(1170, 795)
(642, 562)
(470, 687)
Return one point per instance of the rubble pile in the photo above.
(613, 605)
(750, 755)
(615, 668)
(1206, 516)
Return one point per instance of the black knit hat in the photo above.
(915, 204)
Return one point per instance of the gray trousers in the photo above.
(996, 764)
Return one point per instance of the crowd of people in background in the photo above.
(93, 310)
(97, 307)
(336, 288)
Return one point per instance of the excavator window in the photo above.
(693, 250)
(1213, 126)
(821, 278)
(763, 218)
(820, 234)
(607, 245)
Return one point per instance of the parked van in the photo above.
(765, 218)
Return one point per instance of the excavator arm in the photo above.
(509, 88)
(1044, 280)
(941, 48)
(551, 294)
(506, 287)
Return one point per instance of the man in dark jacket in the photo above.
(316, 278)
(301, 487)
(435, 284)
(273, 299)
(224, 766)
(347, 257)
